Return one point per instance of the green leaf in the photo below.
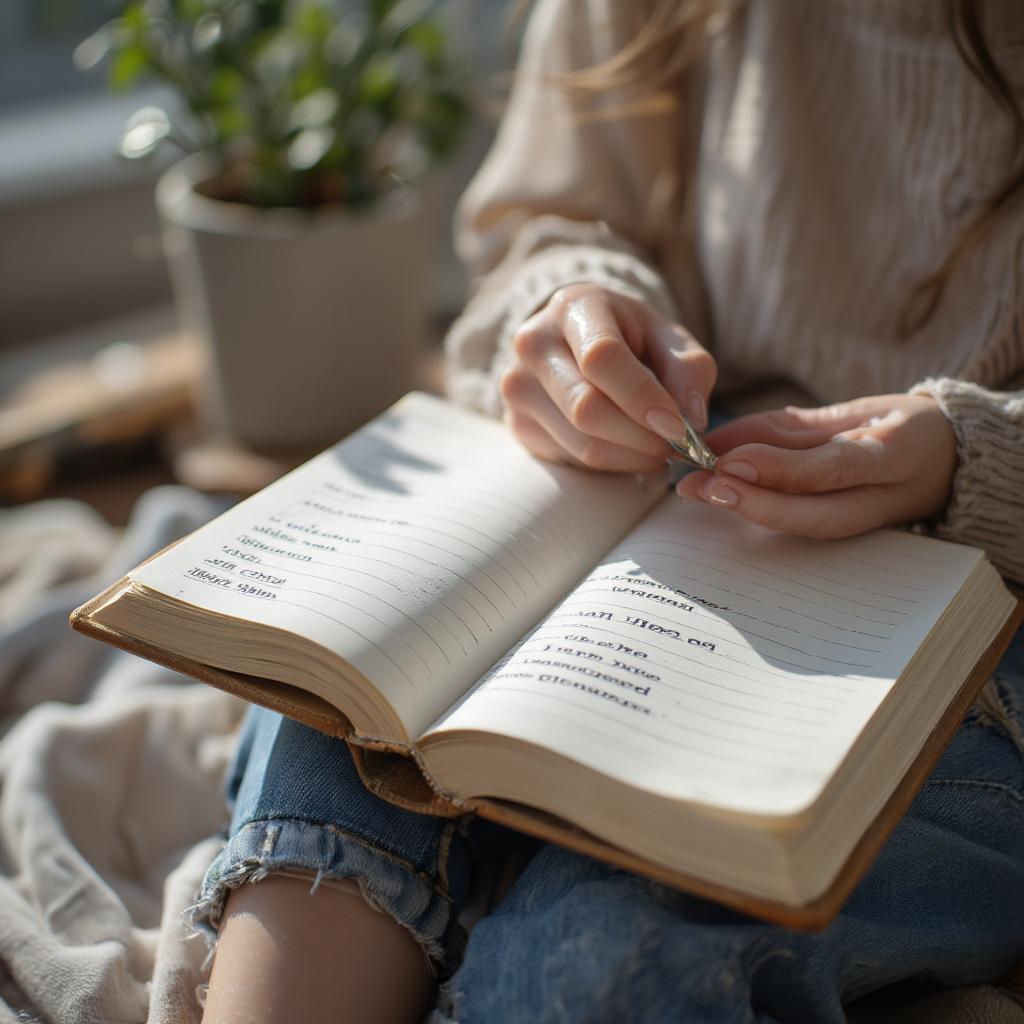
(404, 14)
(134, 17)
(230, 122)
(314, 110)
(207, 32)
(91, 50)
(380, 9)
(128, 66)
(313, 21)
(310, 78)
(194, 10)
(143, 132)
(427, 39)
(443, 122)
(379, 79)
(309, 147)
(304, 101)
(226, 85)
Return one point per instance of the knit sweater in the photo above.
(820, 160)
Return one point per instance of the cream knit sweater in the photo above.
(822, 157)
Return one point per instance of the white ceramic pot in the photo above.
(313, 320)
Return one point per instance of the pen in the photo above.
(692, 448)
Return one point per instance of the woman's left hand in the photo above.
(834, 471)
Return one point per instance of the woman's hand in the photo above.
(834, 471)
(597, 379)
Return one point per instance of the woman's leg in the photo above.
(285, 954)
(943, 905)
(355, 901)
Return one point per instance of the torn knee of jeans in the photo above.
(204, 916)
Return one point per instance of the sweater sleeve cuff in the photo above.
(987, 505)
(479, 342)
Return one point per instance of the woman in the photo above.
(786, 201)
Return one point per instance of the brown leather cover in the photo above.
(390, 770)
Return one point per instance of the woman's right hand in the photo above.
(597, 378)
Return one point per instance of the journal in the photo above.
(737, 713)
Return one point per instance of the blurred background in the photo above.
(106, 385)
(224, 244)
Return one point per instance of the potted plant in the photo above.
(296, 229)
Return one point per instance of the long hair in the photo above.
(673, 33)
(964, 21)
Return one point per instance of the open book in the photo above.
(735, 712)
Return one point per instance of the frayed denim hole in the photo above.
(211, 907)
(270, 840)
(433, 951)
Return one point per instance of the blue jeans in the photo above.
(577, 940)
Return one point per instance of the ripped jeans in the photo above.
(577, 940)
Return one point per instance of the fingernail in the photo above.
(687, 496)
(744, 470)
(696, 408)
(668, 424)
(722, 494)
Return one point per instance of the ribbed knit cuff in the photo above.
(478, 343)
(987, 506)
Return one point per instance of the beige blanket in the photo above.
(111, 769)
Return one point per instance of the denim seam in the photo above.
(376, 850)
(1000, 787)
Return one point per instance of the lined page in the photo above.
(418, 550)
(711, 660)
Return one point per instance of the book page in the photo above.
(418, 550)
(710, 660)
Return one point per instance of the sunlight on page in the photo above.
(415, 550)
(712, 660)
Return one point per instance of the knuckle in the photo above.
(844, 466)
(593, 454)
(598, 354)
(513, 384)
(706, 367)
(787, 418)
(584, 407)
(529, 342)
(562, 298)
(699, 363)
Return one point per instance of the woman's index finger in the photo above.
(604, 357)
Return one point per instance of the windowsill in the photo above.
(70, 144)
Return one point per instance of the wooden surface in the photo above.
(87, 409)
(105, 414)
